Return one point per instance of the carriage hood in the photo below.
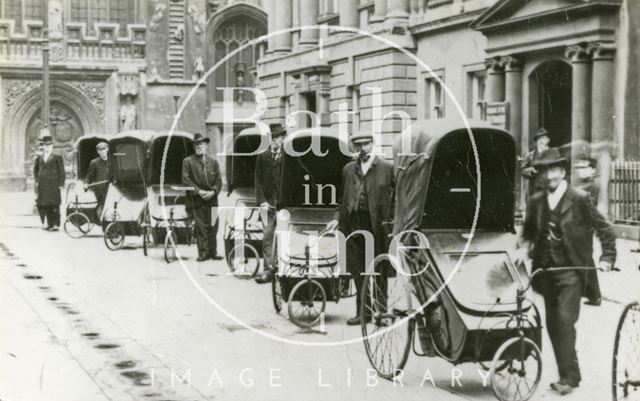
(241, 168)
(127, 156)
(436, 174)
(178, 145)
(85, 151)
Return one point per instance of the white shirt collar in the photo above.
(554, 198)
(365, 166)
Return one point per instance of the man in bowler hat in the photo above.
(558, 232)
(49, 174)
(267, 183)
(529, 171)
(202, 173)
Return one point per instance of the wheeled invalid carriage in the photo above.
(126, 195)
(81, 205)
(165, 218)
(454, 292)
(305, 256)
(243, 228)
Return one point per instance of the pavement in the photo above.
(81, 322)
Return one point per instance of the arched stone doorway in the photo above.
(550, 85)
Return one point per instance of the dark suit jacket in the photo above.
(380, 186)
(49, 178)
(579, 221)
(98, 171)
(267, 178)
(202, 176)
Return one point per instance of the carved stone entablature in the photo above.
(511, 63)
(578, 54)
(128, 83)
(601, 50)
(494, 65)
(94, 90)
(14, 89)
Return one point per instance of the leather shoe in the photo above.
(354, 321)
(216, 257)
(593, 302)
(265, 277)
(202, 258)
(562, 387)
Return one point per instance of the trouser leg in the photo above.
(201, 223)
(43, 213)
(267, 238)
(53, 215)
(212, 243)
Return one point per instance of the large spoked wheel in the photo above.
(77, 225)
(519, 380)
(385, 306)
(170, 244)
(243, 261)
(626, 355)
(307, 302)
(114, 236)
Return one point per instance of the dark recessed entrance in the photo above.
(551, 82)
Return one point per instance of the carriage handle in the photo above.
(94, 184)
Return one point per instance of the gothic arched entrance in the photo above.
(551, 85)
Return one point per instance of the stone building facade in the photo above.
(115, 65)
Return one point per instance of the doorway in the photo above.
(551, 82)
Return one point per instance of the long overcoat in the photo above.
(49, 176)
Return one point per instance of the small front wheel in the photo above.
(77, 225)
(306, 304)
(243, 260)
(114, 236)
(520, 378)
(170, 244)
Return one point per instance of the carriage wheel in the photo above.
(114, 236)
(519, 380)
(243, 260)
(626, 355)
(347, 287)
(170, 244)
(387, 349)
(77, 225)
(307, 302)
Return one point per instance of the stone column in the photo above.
(308, 17)
(602, 115)
(397, 11)
(580, 97)
(513, 95)
(269, 8)
(495, 80)
(348, 10)
(379, 11)
(282, 20)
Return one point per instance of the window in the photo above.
(354, 95)
(22, 10)
(92, 11)
(476, 84)
(434, 98)
(32, 9)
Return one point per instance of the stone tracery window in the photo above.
(21, 10)
(92, 11)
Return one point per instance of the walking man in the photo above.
(49, 175)
(529, 171)
(97, 177)
(267, 183)
(202, 173)
(558, 232)
(367, 194)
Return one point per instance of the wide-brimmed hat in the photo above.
(102, 145)
(47, 140)
(198, 138)
(550, 158)
(277, 130)
(359, 137)
(540, 133)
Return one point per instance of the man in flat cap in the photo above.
(202, 173)
(97, 177)
(267, 182)
(366, 203)
(536, 181)
(50, 176)
(558, 232)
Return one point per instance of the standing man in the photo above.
(98, 175)
(367, 196)
(36, 162)
(202, 173)
(529, 171)
(49, 175)
(267, 183)
(558, 232)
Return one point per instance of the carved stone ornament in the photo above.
(14, 89)
(55, 19)
(198, 19)
(128, 84)
(94, 90)
(158, 13)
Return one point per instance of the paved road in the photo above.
(82, 322)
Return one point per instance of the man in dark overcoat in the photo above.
(268, 173)
(365, 204)
(50, 176)
(97, 177)
(202, 173)
(529, 171)
(558, 232)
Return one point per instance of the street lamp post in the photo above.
(45, 66)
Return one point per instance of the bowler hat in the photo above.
(276, 130)
(102, 145)
(361, 137)
(541, 132)
(550, 158)
(197, 138)
(47, 140)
